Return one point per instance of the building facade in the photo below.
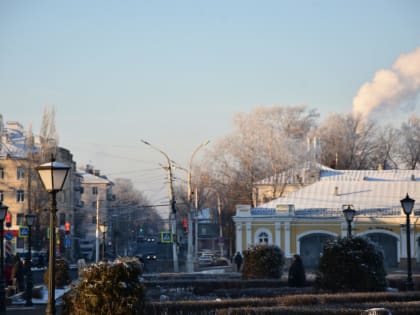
(96, 201)
(22, 192)
(306, 218)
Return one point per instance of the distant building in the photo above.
(97, 200)
(302, 220)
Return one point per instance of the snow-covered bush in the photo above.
(108, 288)
(263, 261)
(351, 264)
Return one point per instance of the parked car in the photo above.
(206, 259)
(151, 256)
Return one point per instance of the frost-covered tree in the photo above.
(131, 210)
(409, 148)
(347, 142)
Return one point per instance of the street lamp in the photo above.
(407, 204)
(172, 202)
(30, 220)
(190, 264)
(104, 228)
(3, 211)
(349, 214)
(53, 176)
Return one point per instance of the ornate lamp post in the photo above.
(30, 220)
(53, 176)
(349, 214)
(3, 211)
(408, 204)
(104, 228)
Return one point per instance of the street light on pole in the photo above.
(104, 228)
(52, 175)
(3, 211)
(30, 220)
(349, 214)
(408, 204)
(172, 202)
(190, 264)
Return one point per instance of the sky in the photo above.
(175, 73)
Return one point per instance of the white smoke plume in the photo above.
(390, 89)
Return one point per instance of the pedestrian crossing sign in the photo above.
(166, 237)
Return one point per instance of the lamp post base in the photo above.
(409, 285)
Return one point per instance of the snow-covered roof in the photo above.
(294, 175)
(13, 141)
(368, 191)
(88, 178)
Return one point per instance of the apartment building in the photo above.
(96, 200)
(22, 192)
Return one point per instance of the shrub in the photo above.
(263, 261)
(108, 288)
(62, 276)
(351, 264)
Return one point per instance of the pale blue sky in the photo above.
(175, 72)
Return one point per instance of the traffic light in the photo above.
(141, 230)
(67, 227)
(8, 219)
(185, 225)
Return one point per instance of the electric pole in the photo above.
(172, 202)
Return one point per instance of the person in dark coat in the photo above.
(297, 276)
(238, 260)
(18, 274)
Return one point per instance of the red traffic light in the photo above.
(67, 227)
(8, 219)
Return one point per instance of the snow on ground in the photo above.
(19, 299)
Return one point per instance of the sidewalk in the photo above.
(36, 309)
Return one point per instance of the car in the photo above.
(151, 256)
(206, 259)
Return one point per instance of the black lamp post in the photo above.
(349, 214)
(30, 220)
(53, 176)
(103, 228)
(3, 211)
(408, 204)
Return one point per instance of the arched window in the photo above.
(263, 238)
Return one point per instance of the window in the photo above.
(94, 190)
(1, 195)
(94, 204)
(19, 219)
(1, 172)
(20, 172)
(263, 238)
(62, 218)
(20, 196)
(20, 243)
(94, 219)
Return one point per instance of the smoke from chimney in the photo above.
(390, 89)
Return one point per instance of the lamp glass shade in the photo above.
(349, 214)
(30, 219)
(407, 204)
(53, 175)
(3, 211)
(103, 228)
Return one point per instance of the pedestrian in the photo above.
(8, 270)
(297, 276)
(238, 261)
(18, 274)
